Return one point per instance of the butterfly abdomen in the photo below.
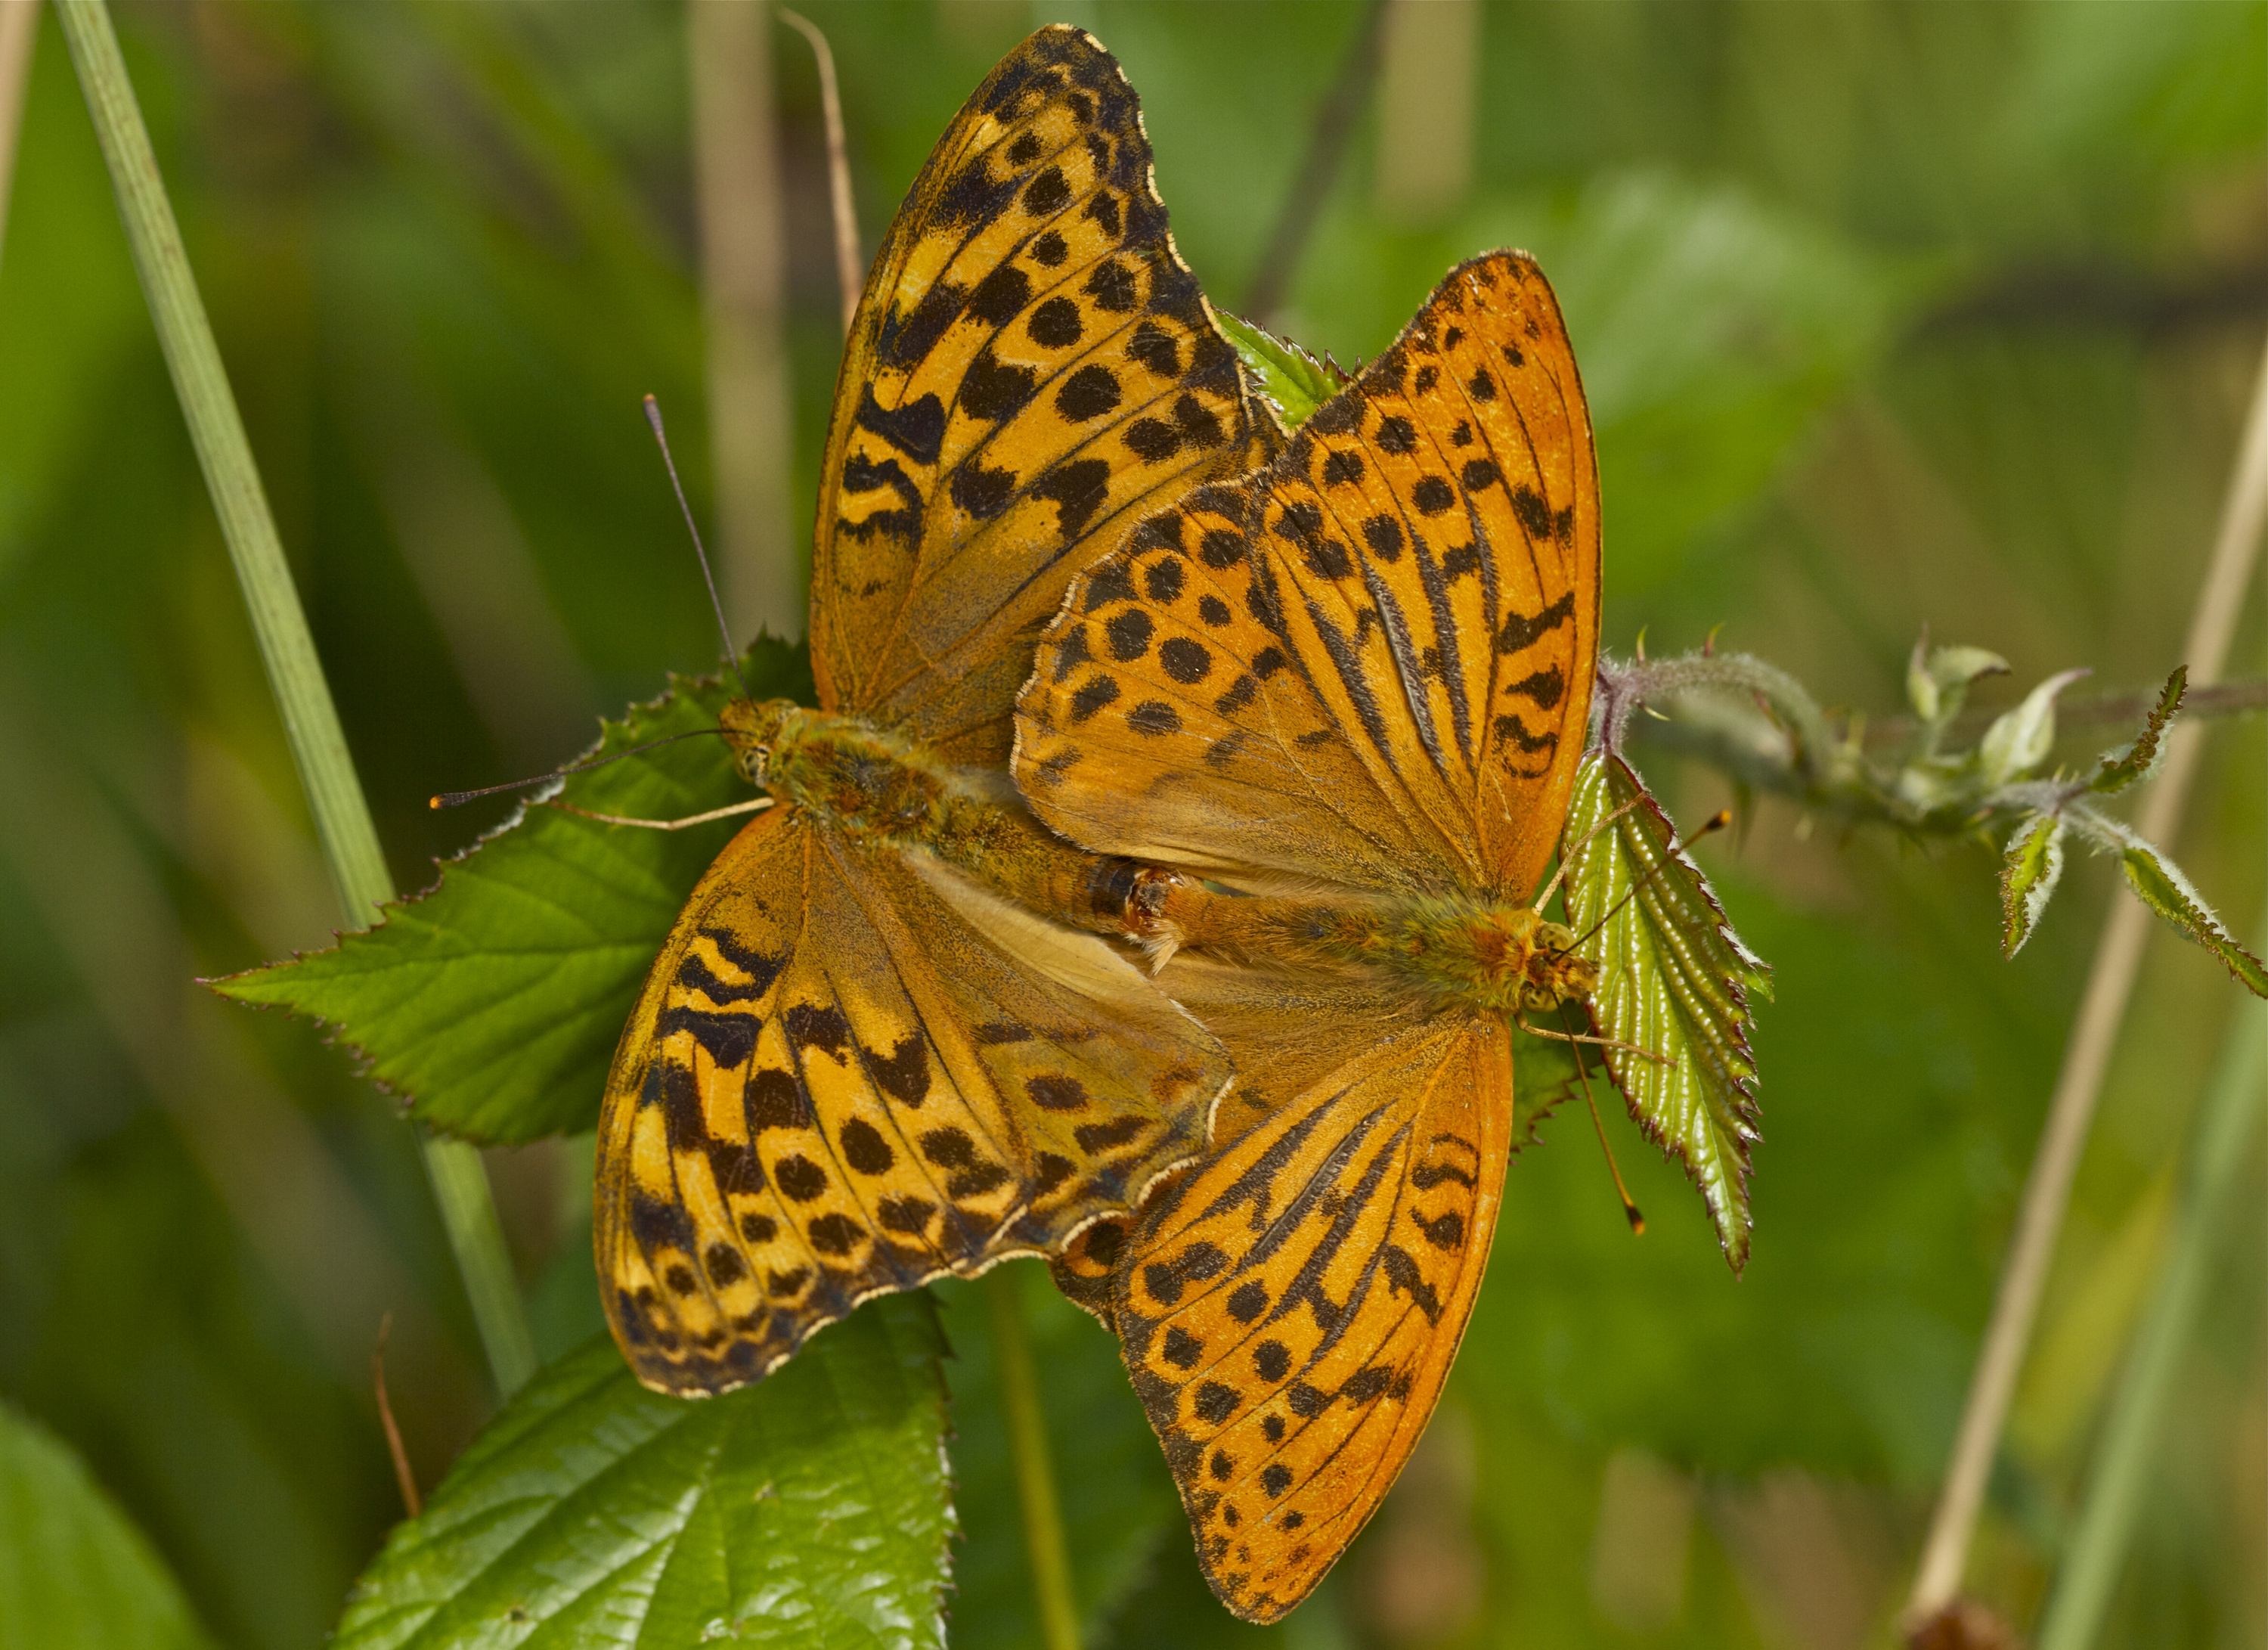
(1496, 958)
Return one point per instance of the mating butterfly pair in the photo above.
(1225, 1032)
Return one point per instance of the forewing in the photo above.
(1369, 664)
(1289, 1310)
(811, 1106)
(1031, 367)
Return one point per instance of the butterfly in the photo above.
(1336, 706)
(861, 1061)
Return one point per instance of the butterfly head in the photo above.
(754, 729)
(1554, 974)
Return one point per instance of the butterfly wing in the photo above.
(839, 1083)
(1290, 1309)
(1031, 367)
(1369, 664)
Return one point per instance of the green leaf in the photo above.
(73, 1573)
(2119, 768)
(1119, 1509)
(2019, 739)
(2029, 870)
(1674, 980)
(2160, 883)
(1294, 382)
(494, 1001)
(809, 1510)
(1937, 678)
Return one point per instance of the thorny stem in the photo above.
(1027, 1449)
(2110, 981)
(1791, 748)
(295, 674)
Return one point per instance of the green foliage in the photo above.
(2030, 867)
(810, 1510)
(2119, 768)
(1673, 981)
(1933, 326)
(494, 1001)
(2159, 885)
(1294, 382)
(1120, 1511)
(74, 1573)
(1761, 725)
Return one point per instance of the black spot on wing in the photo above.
(729, 1038)
(917, 429)
(1077, 490)
(1522, 630)
(1545, 687)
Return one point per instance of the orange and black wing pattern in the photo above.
(1290, 1309)
(1369, 665)
(852, 1072)
(1032, 368)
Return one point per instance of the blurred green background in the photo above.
(1890, 314)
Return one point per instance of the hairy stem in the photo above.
(1027, 1448)
(295, 674)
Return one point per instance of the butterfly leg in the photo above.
(1603, 1042)
(754, 805)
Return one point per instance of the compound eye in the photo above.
(1553, 937)
(1537, 997)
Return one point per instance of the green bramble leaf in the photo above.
(493, 1002)
(807, 1512)
(2120, 769)
(2029, 870)
(74, 1573)
(1674, 979)
(1293, 381)
(1937, 678)
(2019, 739)
(2165, 890)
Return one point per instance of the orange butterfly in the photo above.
(859, 1062)
(1351, 688)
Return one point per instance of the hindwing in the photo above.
(1368, 664)
(1032, 365)
(1290, 1308)
(851, 1072)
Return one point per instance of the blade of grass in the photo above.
(2110, 983)
(848, 268)
(19, 28)
(295, 674)
(1028, 1447)
(2087, 1576)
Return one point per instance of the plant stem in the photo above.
(1319, 167)
(2110, 983)
(1027, 1448)
(743, 288)
(2088, 1573)
(19, 31)
(849, 276)
(295, 674)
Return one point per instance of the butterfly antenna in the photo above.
(1716, 822)
(1552, 887)
(716, 602)
(456, 798)
(1630, 1209)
